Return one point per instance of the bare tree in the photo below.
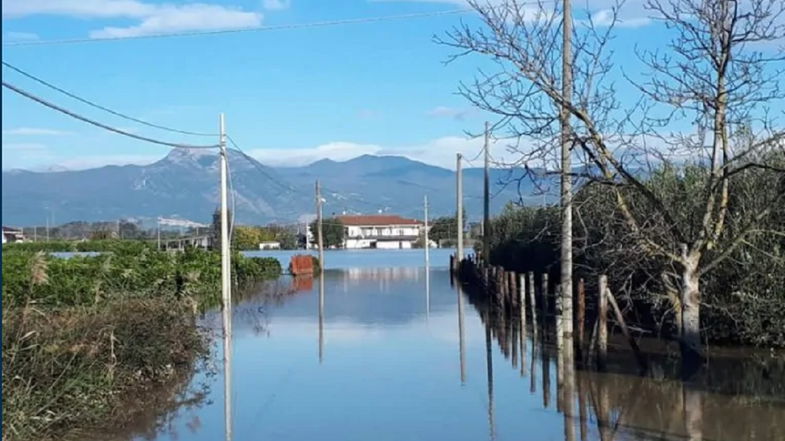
(719, 73)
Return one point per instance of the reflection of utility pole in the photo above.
(489, 360)
(321, 315)
(461, 341)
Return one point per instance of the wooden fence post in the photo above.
(581, 319)
(602, 331)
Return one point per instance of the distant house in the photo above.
(13, 235)
(380, 231)
(272, 245)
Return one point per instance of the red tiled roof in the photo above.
(380, 219)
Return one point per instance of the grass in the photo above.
(83, 335)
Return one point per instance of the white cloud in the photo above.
(276, 5)
(193, 17)
(85, 162)
(337, 151)
(604, 17)
(154, 18)
(20, 36)
(440, 152)
(34, 131)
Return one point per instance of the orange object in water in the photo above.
(301, 264)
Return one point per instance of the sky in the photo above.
(290, 96)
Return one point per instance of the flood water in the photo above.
(394, 355)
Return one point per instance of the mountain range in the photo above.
(184, 184)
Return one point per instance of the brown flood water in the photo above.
(390, 354)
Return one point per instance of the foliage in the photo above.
(249, 237)
(333, 231)
(743, 296)
(142, 272)
(79, 333)
(70, 367)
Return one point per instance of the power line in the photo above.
(101, 125)
(98, 106)
(291, 188)
(242, 30)
(259, 168)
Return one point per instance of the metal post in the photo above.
(319, 224)
(226, 285)
(486, 211)
(459, 216)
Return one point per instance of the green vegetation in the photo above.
(249, 237)
(333, 232)
(743, 295)
(81, 335)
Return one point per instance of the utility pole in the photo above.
(566, 170)
(427, 261)
(459, 216)
(486, 208)
(320, 239)
(427, 242)
(158, 231)
(47, 228)
(226, 287)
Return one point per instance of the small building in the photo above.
(272, 245)
(380, 231)
(13, 235)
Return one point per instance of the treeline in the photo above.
(246, 237)
(84, 333)
(742, 297)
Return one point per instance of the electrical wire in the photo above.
(258, 167)
(241, 30)
(101, 125)
(98, 106)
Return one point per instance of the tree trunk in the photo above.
(691, 350)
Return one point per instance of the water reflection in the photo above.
(321, 316)
(715, 406)
(391, 375)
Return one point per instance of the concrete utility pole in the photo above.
(459, 216)
(319, 237)
(226, 287)
(486, 209)
(566, 170)
(427, 242)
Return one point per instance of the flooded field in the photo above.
(390, 354)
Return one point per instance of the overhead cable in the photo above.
(101, 125)
(98, 106)
(241, 30)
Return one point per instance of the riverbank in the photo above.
(83, 335)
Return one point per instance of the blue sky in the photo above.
(290, 96)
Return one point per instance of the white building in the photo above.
(380, 231)
(272, 245)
